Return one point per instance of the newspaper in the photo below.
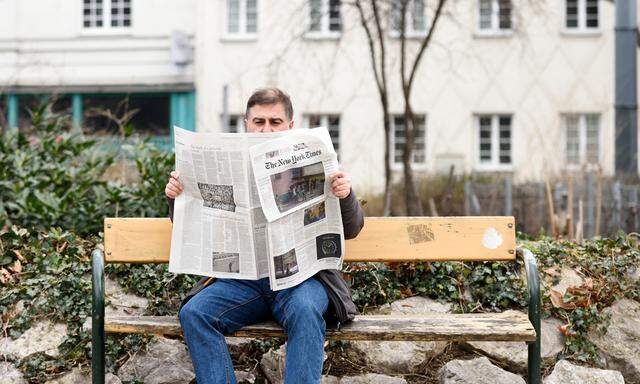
(219, 228)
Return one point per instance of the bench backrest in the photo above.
(389, 239)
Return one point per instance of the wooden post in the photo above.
(467, 198)
(588, 225)
(552, 219)
(617, 206)
(579, 224)
(432, 207)
(508, 197)
(570, 231)
(597, 230)
(633, 210)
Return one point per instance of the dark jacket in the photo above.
(342, 308)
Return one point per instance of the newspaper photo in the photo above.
(220, 228)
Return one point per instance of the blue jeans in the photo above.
(227, 305)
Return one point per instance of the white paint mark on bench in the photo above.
(492, 239)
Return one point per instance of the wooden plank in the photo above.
(429, 327)
(147, 240)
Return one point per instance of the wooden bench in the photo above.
(383, 239)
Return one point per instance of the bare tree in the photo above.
(371, 22)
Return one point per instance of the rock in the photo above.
(76, 376)
(633, 275)
(328, 379)
(400, 356)
(566, 373)
(110, 378)
(272, 364)
(244, 377)
(165, 361)
(414, 305)
(619, 347)
(238, 345)
(9, 374)
(42, 337)
(568, 278)
(514, 353)
(372, 378)
(476, 371)
(121, 303)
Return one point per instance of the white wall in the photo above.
(43, 42)
(536, 74)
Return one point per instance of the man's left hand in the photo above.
(340, 184)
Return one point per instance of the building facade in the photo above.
(518, 87)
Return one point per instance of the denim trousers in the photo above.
(227, 305)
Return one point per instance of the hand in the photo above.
(174, 186)
(340, 184)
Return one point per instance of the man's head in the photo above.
(268, 110)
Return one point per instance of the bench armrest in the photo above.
(533, 285)
(97, 317)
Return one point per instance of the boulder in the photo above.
(121, 303)
(328, 379)
(619, 346)
(476, 371)
(566, 373)
(42, 337)
(165, 361)
(514, 353)
(400, 356)
(9, 374)
(238, 345)
(272, 364)
(245, 377)
(75, 376)
(372, 378)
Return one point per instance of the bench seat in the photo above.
(509, 326)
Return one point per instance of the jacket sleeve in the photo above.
(352, 215)
(171, 204)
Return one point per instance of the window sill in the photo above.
(493, 34)
(577, 32)
(319, 36)
(239, 37)
(494, 168)
(106, 31)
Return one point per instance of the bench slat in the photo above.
(148, 240)
(512, 326)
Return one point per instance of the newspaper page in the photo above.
(304, 233)
(219, 229)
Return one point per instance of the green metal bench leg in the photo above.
(97, 318)
(534, 360)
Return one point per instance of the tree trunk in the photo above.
(413, 202)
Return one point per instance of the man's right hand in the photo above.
(174, 186)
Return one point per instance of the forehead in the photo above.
(268, 111)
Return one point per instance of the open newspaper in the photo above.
(219, 228)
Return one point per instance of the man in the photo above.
(210, 311)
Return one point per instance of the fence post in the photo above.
(633, 209)
(589, 220)
(467, 198)
(508, 199)
(617, 205)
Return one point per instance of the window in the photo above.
(235, 124)
(242, 17)
(415, 19)
(581, 15)
(332, 122)
(398, 139)
(494, 16)
(494, 141)
(582, 142)
(106, 13)
(324, 18)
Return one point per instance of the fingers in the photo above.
(174, 187)
(340, 184)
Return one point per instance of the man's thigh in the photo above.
(306, 300)
(231, 304)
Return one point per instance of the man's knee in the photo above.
(307, 308)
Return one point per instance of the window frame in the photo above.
(397, 166)
(107, 28)
(410, 32)
(324, 122)
(495, 30)
(325, 23)
(239, 118)
(582, 141)
(242, 34)
(494, 165)
(581, 29)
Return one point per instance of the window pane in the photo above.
(504, 14)
(419, 23)
(120, 13)
(572, 139)
(593, 138)
(485, 138)
(315, 16)
(233, 16)
(396, 16)
(485, 14)
(92, 13)
(335, 20)
(572, 13)
(399, 139)
(314, 121)
(334, 131)
(505, 139)
(252, 16)
(592, 14)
